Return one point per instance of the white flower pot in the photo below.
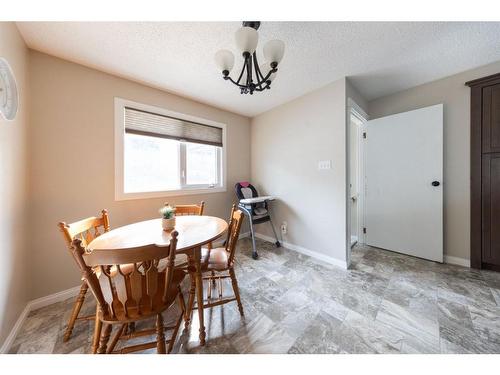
(168, 224)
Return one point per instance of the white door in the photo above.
(404, 183)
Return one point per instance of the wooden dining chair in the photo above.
(219, 264)
(132, 284)
(189, 209)
(86, 230)
(182, 262)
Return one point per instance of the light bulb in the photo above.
(274, 50)
(224, 60)
(246, 39)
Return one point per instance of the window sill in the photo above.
(120, 196)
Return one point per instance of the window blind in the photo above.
(156, 125)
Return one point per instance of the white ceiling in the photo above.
(380, 57)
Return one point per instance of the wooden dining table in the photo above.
(194, 232)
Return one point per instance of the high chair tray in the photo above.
(257, 199)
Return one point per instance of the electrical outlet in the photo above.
(284, 227)
(324, 164)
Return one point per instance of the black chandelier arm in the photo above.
(249, 70)
(258, 74)
(242, 70)
(267, 86)
(236, 83)
(274, 70)
(265, 80)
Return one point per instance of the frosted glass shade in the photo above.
(264, 69)
(274, 50)
(246, 39)
(224, 60)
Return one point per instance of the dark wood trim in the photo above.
(491, 267)
(475, 183)
(476, 152)
(485, 81)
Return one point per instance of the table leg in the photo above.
(199, 294)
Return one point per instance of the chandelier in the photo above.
(253, 77)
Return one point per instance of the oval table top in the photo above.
(193, 231)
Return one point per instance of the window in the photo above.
(161, 153)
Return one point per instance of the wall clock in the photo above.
(8, 91)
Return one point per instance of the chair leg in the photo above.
(182, 303)
(104, 339)
(254, 248)
(160, 336)
(177, 325)
(189, 309)
(277, 243)
(236, 290)
(97, 334)
(76, 310)
(115, 338)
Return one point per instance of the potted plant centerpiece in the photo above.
(168, 217)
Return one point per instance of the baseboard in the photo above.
(303, 250)
(35, 305)
(53, 298)
(457, 261)
(15, 330)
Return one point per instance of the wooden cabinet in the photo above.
(485, 172)
(491, 118)
(491, 209)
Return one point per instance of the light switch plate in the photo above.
(324, 164)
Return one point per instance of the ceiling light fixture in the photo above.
(253, 77)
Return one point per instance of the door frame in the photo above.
(476, 111)
(354, 109)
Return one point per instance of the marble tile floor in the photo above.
(386, 303)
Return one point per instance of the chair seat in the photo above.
(145, 308)
(217, 260)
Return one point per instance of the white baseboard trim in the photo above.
(303, 250)
(457, 261)
(35, 305)
(15, 330)
(53, 298)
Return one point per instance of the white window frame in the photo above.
(120, 194)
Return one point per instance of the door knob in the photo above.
(435, 183)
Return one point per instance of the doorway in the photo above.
(395, 182)
(356, 122)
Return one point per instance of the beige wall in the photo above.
(287, 143)
(73, 159)
(455, 96)
(14, 272)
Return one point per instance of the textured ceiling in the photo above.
(379, 57)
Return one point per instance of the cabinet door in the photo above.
(491, 208)
(491, 119)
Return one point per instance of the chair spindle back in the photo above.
(86, 230)
(189, 209)
(233, 232)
